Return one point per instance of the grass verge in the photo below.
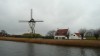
(82, 43)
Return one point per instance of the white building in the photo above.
(75, 36)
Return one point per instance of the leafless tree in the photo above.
(50, 33)
(99, 31)
(68, 34)
(3, 32)
(82, 32)
(89, 33)
(96, 34)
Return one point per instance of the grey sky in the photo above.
(72, 14)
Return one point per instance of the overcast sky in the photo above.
(72, 14)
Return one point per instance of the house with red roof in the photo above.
(61, 34)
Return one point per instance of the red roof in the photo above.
(61, 32)
(78, 34)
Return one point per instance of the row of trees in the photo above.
(90, 33)
(27, 35)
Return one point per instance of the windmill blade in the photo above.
(38, 21)
(23, 21)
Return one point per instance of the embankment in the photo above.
(82, 43)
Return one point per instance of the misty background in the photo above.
(72, 14)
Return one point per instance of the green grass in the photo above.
(91, 38)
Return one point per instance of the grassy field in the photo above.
(82, 43)
(93, 38)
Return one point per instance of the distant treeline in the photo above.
(29, 35)
(90, 33)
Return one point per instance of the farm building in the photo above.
(75, 36)
(61, 34)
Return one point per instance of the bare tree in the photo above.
(96, 34)
(3, 32)
(68, 34)
(82, 32)
(99, 31)
(89, 33)
(51, 33)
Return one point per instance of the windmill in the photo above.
(32, 23)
